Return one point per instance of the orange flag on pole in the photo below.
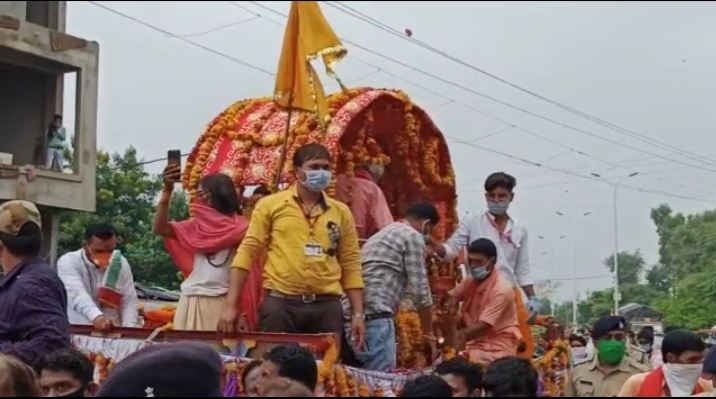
(307, 37)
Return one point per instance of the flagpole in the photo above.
(284, 149)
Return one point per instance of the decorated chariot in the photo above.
(250, 141)
(377, 126)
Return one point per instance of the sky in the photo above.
(646, 68)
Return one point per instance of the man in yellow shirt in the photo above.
(312, 257)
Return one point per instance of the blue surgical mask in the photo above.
(479, 273)
(317, 180)
(498, 208)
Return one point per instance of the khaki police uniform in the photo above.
(587, 380)
(638, 355)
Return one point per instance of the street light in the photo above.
(574, 264)
(615, 185)
(551, 272)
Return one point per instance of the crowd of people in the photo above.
(292, 262)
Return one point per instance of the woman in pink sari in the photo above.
(202, 247)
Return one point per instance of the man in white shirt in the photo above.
(510, 236)
(99, 282)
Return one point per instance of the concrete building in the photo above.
(35, 55)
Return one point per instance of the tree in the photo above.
(687, 269)
(631, 266)
(682, 285)
(692, 307)
(659, 277)
(126, 196)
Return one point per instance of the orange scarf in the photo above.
(475, 291)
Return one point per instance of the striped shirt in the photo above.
(393, 260)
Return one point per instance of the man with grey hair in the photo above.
(376, 171)
(365, 199)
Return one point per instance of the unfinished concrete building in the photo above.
(35, 56)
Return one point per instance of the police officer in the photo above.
(610, 367)
(645, 344)
(185, 369)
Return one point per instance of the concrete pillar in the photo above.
(15, 9)
(49, 236)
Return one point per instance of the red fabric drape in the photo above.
(252, 294)
(654, 382)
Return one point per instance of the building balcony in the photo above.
(34, 61)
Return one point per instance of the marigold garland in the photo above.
(390, 129)
(552, 366)
(333, 378)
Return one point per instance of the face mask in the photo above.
(100, 259)
(498, 208)
(479, 273)
(317, 180)
(645, 347)
(611, 352)
(579, 353)
(681, 378)
(80, 393)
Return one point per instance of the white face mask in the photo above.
(681, 378)
(578, 353)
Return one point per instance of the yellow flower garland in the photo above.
(417, 146)
(552, 367)
(421, 167)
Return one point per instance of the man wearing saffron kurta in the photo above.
(487, 323)
(510, 236)
(99, 282)
(365, 199)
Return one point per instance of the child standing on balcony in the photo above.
(56, 135)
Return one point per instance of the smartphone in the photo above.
(174, 158)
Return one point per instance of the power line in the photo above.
(382, 26)
(519, 159)
(185, 40)
(468, 106)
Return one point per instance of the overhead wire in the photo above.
(254, 67)
(509, 124)
(238, 5)
(395, 32)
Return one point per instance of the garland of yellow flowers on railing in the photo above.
(333, 378)
(548, 366)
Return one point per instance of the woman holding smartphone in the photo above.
(202, 247)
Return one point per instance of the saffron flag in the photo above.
(307, 37)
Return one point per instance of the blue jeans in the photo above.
(380, 351)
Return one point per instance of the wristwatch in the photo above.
(359, 316)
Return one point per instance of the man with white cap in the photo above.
(33, 303)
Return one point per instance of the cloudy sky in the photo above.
(646, 68)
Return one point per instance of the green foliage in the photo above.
(682, 285)
(631, 266)
(126, 198)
